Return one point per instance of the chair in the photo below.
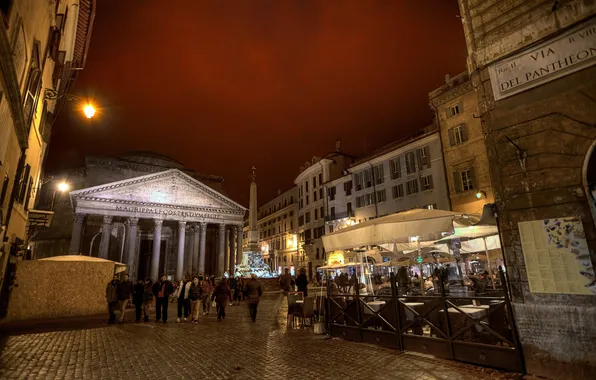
(294, 309)
(308, 310)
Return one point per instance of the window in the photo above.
(306, 186)
(321, 193)
(314, 196)
(332, 212)
(331, 192)
(33, 87)
(320, 178)
(291, 199)
(23, 185)
(358, 181)
(360, 201)
(454, 110)
(379, 175)
(410, 163)
(331, 228)
(398, 191)
(426, 182)
(307, 217)
(423, 158)
(322, 212)
(300, 204)
(458, 135)
(291, 224)
(349, 208)
(348, 187)
(432, 206)
(307, 199)
(367, 178)
(381, 196)
(4, 189)
(29, 188)
(307, 235)
(395, 168)
(314, 182)
(301, 220)
(412, 187)
(317, 256)
(466, 180)
(316, 214)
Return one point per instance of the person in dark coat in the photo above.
(147, 298)
(254, 290)
(221, 295)
(162, 290)
(239, 291)
(124, 295)
(138, 292)
(302, 282)
(112, 298)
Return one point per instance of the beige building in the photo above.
(278, 232)
(43, 45)
(456, 107)
(532, 65)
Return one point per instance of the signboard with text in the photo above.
(563, 55)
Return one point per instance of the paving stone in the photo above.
(233, 349)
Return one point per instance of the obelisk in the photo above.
(253, 234)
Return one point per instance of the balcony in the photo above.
(339, 215)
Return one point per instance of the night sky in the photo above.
(222, 85)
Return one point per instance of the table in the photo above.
(300, 301)
(458, 321)
(484, 307)
(375, 305)
(414, 306)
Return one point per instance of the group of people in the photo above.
(287, 282)
(190, 296)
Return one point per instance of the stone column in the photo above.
(156, 250)
(221, 250)
(194, 252)
(203, 237)
(180, 261)
(106, 229)
(130, 256)
(239, 245)
(226, 266)
(232, 261)
(77, 229)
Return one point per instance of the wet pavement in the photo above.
(233, 349)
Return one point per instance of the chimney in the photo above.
(447, 78)
(338, 145)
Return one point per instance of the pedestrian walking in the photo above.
(254, 290)
(138, 292)
(221, 295)
(285, 281)
(206, 289)
(162, 290)
(182, 297)
(195, 300)
(124, 295)
(302, 282)
(239, 291)
(112, 298)
(232, 283)
(147, 298)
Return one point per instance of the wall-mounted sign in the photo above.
(557, 257)
(565, 54)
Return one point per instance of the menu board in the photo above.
(557, 256)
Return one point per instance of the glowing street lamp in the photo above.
(62, 187)
(89, 111)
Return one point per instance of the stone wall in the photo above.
(554, 124)
(57, 289)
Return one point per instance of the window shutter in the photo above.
(473, 178)
(430, 181)
(460, 106)
(427, 153)
(464, 132)
(419, 158)
(447, 112)
(451, 137)
(457, 182)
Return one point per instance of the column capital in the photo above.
(181, 225)
(158, 223)
(107, 219)
(222, 226)
(78, 217)
(133, 221)
(202, 226)
(238, 227)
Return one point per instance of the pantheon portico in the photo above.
(164, 214)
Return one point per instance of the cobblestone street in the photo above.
(234, 349)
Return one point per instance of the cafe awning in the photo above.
(427, 225)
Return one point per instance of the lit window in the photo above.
(454, 110)
(466, 180)
(427, 182)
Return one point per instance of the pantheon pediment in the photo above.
(170, 194)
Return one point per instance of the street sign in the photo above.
(419, 259)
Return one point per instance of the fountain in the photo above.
(252, 263)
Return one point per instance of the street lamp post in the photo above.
(88, 109)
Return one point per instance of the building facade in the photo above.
(146, 210)
(43, 45)
(278, 232)
(466, 162)
(312, 204)
(532, 66)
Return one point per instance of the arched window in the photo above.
(33, 87)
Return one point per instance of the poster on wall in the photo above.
(557, 256)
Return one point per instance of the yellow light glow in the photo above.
(89, 111)
(63, 186)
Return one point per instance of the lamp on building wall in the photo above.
(61, 187)
(480, 194)
(88, 109)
